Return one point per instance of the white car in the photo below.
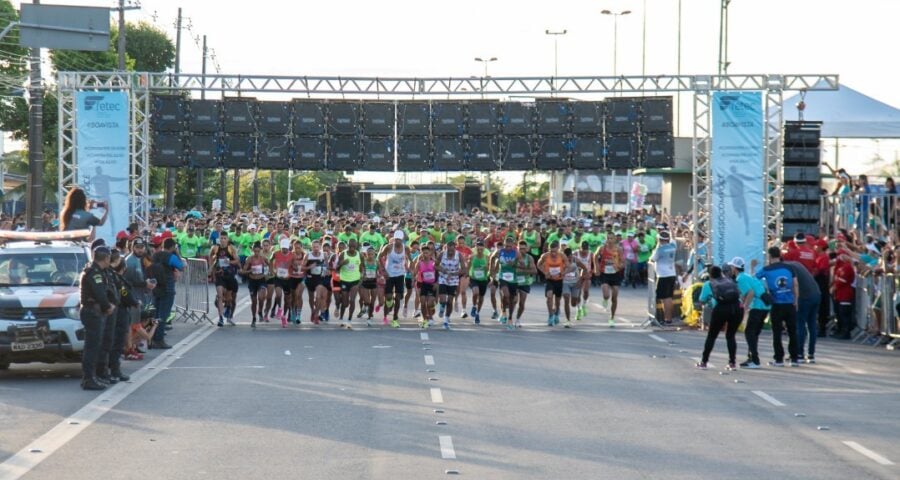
(40, 298)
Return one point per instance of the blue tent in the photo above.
(846, 113)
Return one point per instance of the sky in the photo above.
(441, 38)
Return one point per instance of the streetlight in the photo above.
(485, 61)
(616, 16)
(555, 36)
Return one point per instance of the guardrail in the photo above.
(871, 213)
(192, 292)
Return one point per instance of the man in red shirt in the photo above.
(823, 280)
(802, 253)
(844, 294)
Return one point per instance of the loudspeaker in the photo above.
(344, 197)
(802, 175)
(801, 157)
(552, 153)
(273, 118)
(378, 119)
(622, 116)
(308, 117)
(274, 152)
(205, 116)
(309, 153)
(789, 229)
(447, 119)
(203, 151)
(587, 153)
(413, 154)
(167, 149)
(656, 115)
(378, 154)
(802, 193)
(169, 113)
(484, 153)
(343, 118)
(239, 151)
(802, 134)
(343, 153)
(621, 151)
(658, 150)
(553, 118)
(240, 115)
(482, 118)
(808, 212)
(471, 196)
(587, 118)
(413, 118)
(449, 154)
(518, 154)
(516, 118)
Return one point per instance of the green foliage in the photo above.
(150, 47)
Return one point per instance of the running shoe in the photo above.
(349, 326)
(230, 322)
(568, 323)
(701, 365)
(418, 313)
(605, 303)
(221, 322)
(463, 314)
(776, 364)
(577, 314)
(324, 315)
(385, 321)
(750, 365)
(518, 324)
(510, 326)
(477, 319)
(405, 312)
(227, 313)
(731, 366)
(314, 318)
(494, 315)
(795, 363)
(810, 360)
(556, 318)
(446, 325)
(369, 322)
(503, 320)
(430, 322)
(361, 313)
(441, 310)
(550, 321)
(278, 313)
(395, 324)
(377, 308)
(253, 323)
(474, 311)
(612, 323)
(283, 322)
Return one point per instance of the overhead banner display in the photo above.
(738, 160)
(102, 156)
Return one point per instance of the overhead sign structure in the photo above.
(64, 27)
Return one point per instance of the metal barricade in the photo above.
(890, 303)
(651, 298)
(192, 292)
(866, 295)
(870, 213)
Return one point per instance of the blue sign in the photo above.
(738, 162)
(103, 157)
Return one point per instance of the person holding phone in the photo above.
(75, 214)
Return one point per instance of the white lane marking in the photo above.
(658, 338)
(447, 451)
(765, 396)
(437, 396)
(423, 336)
(429, 360)
(708, 365)
(45, 445)
(868, 453)
(214, 367)
(833, 363)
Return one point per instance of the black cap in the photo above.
(799, 238)
(98, 243)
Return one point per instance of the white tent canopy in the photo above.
(847, 113)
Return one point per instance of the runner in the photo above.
(368, 285)
(298, 260)
(503, 266)
(553, 264)
(224, 261)
(451, 267)
(425, 273)
(573, 277)
(462, 293)
(281, 265)
(255, 269)
(395, 259)
(525, 272)
(585, 260)
(610, 263)
(479, 272)
(349, 269)
(410, 287)
(269, 308)
(314, 268)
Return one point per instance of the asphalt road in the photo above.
(589, 402)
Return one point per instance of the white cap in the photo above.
(285, 243)
(376, 219)
(329, 232)
(737, 262)
(398, 235)
(252, 226)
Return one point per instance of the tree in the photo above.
(150, 47)
(13, 71)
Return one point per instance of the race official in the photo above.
(95, 307)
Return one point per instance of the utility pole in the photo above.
(199, 199)
(35, 142)
(121, 35)
(171, 173)
(555, 36)
(723, 38)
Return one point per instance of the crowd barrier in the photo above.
(876, 311)
(652, 318)
(869, 213)
(192, 292)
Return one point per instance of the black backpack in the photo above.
(159, 271)
(725, 290)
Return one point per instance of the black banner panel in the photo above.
(167, 150)
(657, 151)
(273, 118)
(587, 118)
(205, 116)
(343, 118)
(413, 155)
(378, 155)
(621, 151)
(378, 119)
(308, 118)
(274, 152)
(240, 115)
(516, 118)
(518, 154)
(656, 115)
(239, 151)
(169, 113)
(413, 119)
(799, 156)
(482, 118)
(203, 151)
(447, 119)
(587, 153)
(553, 118)
(484, 153)
(343, 153)
(622, 116)
(309, 153)
(552, 153)
(449, 154)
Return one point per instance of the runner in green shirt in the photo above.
(190, 244)
(373, 238)
(348, 235)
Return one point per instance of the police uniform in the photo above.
(94, 302)
(108, 340)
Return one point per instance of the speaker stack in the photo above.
(471, 196)
(802, 178)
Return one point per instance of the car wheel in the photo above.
(4, 363)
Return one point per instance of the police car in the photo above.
(39, 296)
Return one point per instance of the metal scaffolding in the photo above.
(141, 86)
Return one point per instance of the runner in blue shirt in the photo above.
(781, 282)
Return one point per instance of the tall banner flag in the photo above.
(101, 122)
(737, 177)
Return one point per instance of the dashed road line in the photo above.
(423, 336)
(877, 458)
(437, 396)
(765, 396)
(658, 338)
(447, 451)
(429, 360)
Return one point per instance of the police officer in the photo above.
(95, 307)
(116, 327)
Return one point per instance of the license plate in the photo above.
(27, 346)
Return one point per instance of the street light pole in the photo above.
(556, 35)
(485, 61)
(616, 16)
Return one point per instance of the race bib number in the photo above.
(224, 262)
(370, 273)
(609, 268)
(317, 270)
(281, 272)
(428, 277)
(507, 276)
(571, 277)
(555, 271)
(520, 279)
(256, 269)
(478, 274)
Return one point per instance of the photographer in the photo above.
(75, 214)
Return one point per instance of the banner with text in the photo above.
(102, 156)
(738, 160)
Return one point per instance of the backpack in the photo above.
(159, 271)
(725, 290)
